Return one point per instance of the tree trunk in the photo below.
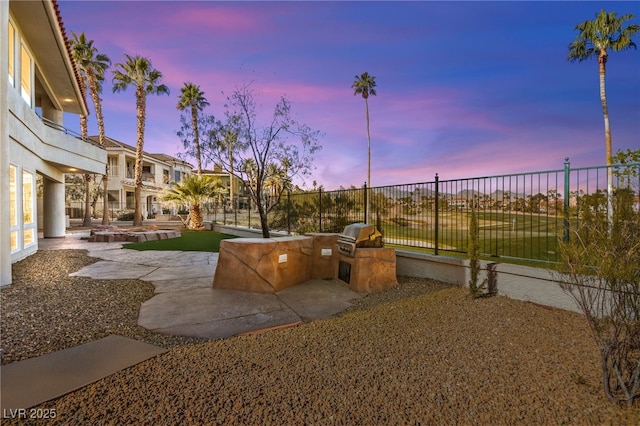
(87, 200)
(196, 136)
(196, 222)
(231, 179)
(264, 225)
(366, 217)
(94, 89)
(140, 112)
(105, 199)
(86, 221)
(602, 61)
(83, 127)
(137, 211)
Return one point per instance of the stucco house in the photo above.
(38, 85)
(159, 172)
(234, 188)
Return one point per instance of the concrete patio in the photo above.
(186, 303)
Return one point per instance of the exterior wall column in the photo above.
(51, 113)
(54, 220)
(5, 233)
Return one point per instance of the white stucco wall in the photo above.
(31, 146)
(526, 283)
(5, 249)
(42, 144)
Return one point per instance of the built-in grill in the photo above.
(358, 235)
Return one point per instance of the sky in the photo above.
(464, 89)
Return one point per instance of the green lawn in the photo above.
(502, 234)
(189, 241)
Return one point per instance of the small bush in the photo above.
(475, 289)
(600, 268)
(126, 216)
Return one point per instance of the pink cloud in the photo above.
(214, 17)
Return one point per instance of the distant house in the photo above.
(458, 203)
(233, 185)
(38, 84)
(159, 172)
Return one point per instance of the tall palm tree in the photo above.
(194, 190)
(364, 85)
(78, 51)
(193, 98)
(594, 39)
(230, 139)
(137, 71)
(93, 66)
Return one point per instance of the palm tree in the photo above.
(231, 139)
(276, 180)
(365, 85)
(138, 71)
(194, 190)
(594, 39)
(192, 97)
(92, 67)
(78, 51)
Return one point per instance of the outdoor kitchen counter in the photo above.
(268, 265)
(369, 270)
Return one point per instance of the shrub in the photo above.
(126, 216)
(600, 268)
(475, 289)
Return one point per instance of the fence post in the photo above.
(365, 202)
(320, 207)
(224, 211)
(435, 245)
(288, 212)
(567, 172)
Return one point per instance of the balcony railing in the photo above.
(61, 128)
(146, 176)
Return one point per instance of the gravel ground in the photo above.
(422, 353)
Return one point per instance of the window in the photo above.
(28, 208)
(130, 200)
(113, 166)
(12, 53)
(176, 175)
(27, 197)
(13, 206)
(26, 74)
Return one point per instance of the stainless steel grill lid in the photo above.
(358, 235)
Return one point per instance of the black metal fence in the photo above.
(520, 216)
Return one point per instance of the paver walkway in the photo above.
(35, 380)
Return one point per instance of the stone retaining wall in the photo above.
(110, 234)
